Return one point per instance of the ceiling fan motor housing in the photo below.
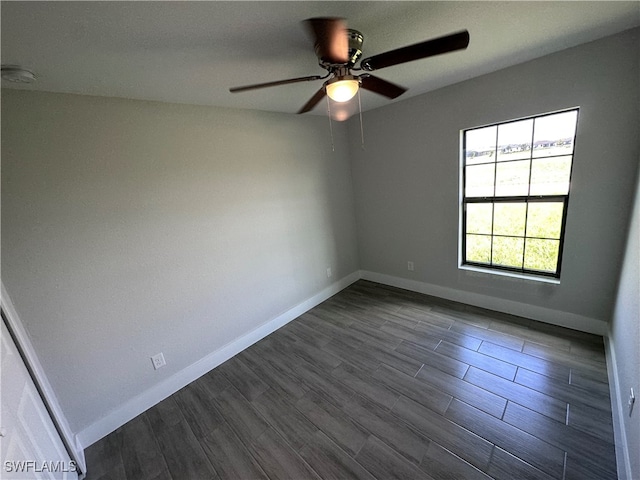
(356, 39)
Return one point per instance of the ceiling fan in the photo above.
(339, 48)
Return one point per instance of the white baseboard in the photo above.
(618, 409)
(164, 389)
(76, 450)
(547, 315)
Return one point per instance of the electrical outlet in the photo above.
(158, 361)
(632, 401)
(410, 266)
(329, 272)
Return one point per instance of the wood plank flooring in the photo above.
(378, 382)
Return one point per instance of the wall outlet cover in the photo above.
(158, 361)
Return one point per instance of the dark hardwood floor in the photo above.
(378, 382)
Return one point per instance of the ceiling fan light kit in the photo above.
(342, 89)
(339, 48)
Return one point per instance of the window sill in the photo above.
(502, 273)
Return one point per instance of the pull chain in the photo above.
(330, 126)
(361, 128)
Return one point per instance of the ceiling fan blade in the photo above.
(273, 84)
(330, 39)
(313, 101)
(428, 48)
(378, 85)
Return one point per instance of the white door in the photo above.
(30, 446)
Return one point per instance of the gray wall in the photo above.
(625, 339)
(406, 179)
(132, 228)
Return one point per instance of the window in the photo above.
(516, 178)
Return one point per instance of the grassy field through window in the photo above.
(522, 232)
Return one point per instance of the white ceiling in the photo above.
(192, 52)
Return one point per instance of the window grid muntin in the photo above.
(521, 159)
(564, 198)
(556, 199)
